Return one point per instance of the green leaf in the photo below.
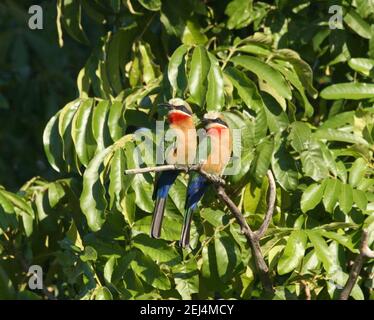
(8, 218)
(28, 222)
(357, 172)
(149, 69)
(343, 239)
(331, 194)
(290, 74)
(266, 73)
(55, 193)
(243, 140)
(64, 127)
(349, 91)
(321, 249)
(214, 217)
(339, 120)
(92, 200)
(109, 268)
(177, 70)
(338, 135)
(116, 122)
(313, 163)
(247, 90)
(277, 119)
(186, 277)
(342, 171)
(362, 65)
(239, 13)
(71, 17)
(99, 128)
(82, 134)
(150, 272)
(171, 226)
(300, 136)
(215, 98)
(293, 253)
(121, 265)
(227, 255)
(262, 160)
(141, 183)
(357, 24)
(303, 70)
(346, 198)
(193, 33)
(254, 49)
(284, 166)
(18, 202)
(158, 250)
(311, 197)
(153, 5)
(360, 199)
(52, 144)
(119, 182)
(310, 262)
(197, 83)
(112, 61)
(254, 196)
(89, 254)
(329, 159)
(103, 293)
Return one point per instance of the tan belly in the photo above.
(186, 144)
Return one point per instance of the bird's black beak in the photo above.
(166, 105)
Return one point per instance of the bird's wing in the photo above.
(203, 150)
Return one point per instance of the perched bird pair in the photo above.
(220, 146)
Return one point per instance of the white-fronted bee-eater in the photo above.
(183, 152)
(218, 141)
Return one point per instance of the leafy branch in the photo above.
(365, 253)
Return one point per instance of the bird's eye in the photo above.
(183, 108)
(220, 121)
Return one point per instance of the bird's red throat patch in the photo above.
(216, 130)
(176, 116)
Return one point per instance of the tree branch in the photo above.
(253, 237)
(365, 252)
(271, 203)
(186, 168)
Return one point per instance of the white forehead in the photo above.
(177, 102)
(212, 115)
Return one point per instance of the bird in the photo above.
(219, 142)
(183, 152)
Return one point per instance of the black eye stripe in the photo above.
(220, 121)
(216, 120)
(184, 109)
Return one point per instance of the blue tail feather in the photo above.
(160, 193)
(195, 191)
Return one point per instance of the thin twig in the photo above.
(154, 169)
(305, 285)
(271, 203)
(170, 167)
(365, 253)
